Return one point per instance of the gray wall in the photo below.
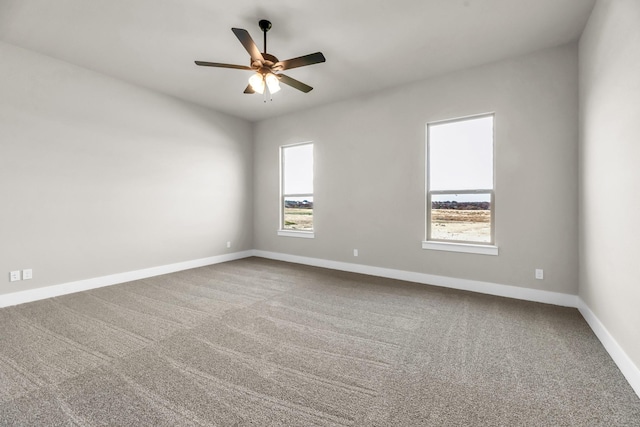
(99, 177)
(369, 173)
(610, 170)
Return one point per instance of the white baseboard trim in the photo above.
(31, 295)
(555, 298)
(630, 371)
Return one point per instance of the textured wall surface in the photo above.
(100, 177)
(370, 173)
(609, 172)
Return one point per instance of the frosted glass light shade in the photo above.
(272, 83)
(257, 83)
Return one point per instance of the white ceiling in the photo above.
(369, 44)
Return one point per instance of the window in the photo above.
(296, 201)
(460, 196)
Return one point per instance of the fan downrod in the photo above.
(265, 26)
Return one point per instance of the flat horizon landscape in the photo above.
(446, 224)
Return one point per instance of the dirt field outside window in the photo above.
(463, 225)
(298, 219)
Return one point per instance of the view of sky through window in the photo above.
(298, 171)
(461, 154)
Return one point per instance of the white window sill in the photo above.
(461, 247)
(300, 234)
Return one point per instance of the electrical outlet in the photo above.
(14, 276)
(539, 274)
(355, 252)
(27, 274)
(228, 244)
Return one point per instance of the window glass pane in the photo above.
(462, 217)
(461, 155)
(298, 169)
(298, 213)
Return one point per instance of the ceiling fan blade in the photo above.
(217, 64)
(294, 83)
(249, 90)
(248, 43)
(301, 61)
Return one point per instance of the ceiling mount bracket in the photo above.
(264, 25)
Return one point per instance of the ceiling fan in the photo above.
(267, 67)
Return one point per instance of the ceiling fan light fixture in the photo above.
(266, 67)
(272, 83)
(257, 82)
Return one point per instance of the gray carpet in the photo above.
(259, 342)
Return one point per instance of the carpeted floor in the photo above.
(259, 342)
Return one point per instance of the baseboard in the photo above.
(508, 291)
(555, 298)
(31, 295)
(630, 371)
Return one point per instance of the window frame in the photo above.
(485, 248)
(281, 230)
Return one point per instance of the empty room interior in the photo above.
(320, 213)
